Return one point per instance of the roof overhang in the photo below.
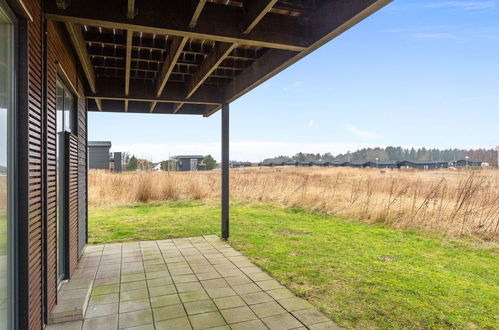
(191, 56)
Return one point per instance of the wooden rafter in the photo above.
(338, 17)
(216, 56)
(76, 36)
(175, 50)
(197, 12)
(255, 10)
(130, 13)
(217, 23)
(128, 60)
(177, 106)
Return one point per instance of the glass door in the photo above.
(65, 123)
(6, 125)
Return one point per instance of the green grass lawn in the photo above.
(362, 276)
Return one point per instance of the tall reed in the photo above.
(455, 202)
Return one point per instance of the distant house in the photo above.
(185, 163)
(100, 158)
(98, 154)
(467, 162)
(387, 164)
(157, 167)
(305, 163)
(291, 163)
(423, 164)
(340, 163)
(358, 163)
(240, 164)
(116, 161)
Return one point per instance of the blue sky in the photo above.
(417, 73)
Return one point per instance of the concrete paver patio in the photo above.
(185, 283)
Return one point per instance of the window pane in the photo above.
(68, 111)
(6, 85)
(59, 104)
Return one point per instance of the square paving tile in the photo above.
(104, 299)
(187, 287)
(135, 294)
(101, 310)
(220, 292)
(267, 309)
(246, 288)
(207, 320)
(282, 321)
(238, 314)
(295, 304)
(167, 300)
(105, 322)
(201, 306)
(310, 316)
(193, 296)
(256, 298)
(249, 325)
(181, 323)
(134, 305)
(162, 290)
(196, 282)
(133, 319)
(229, 302)
(168, 312)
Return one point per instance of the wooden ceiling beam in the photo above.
(130, 13)
(177, 106)
(110, 89)
(255, 10)
(217, 23)
(197, 12)
(216, 56)
(176, 48)
(128, 60)
(339, 16)
(76, 36)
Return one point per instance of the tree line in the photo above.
(395, 154)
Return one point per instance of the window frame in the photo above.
(12, 173)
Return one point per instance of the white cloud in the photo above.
(239, 150)
(361, 133)
(311, 123)
(466, 5)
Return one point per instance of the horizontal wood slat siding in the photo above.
(72, 201)
(82, 171)
(31, 308)
(51, 170)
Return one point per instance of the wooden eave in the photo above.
(191, 56)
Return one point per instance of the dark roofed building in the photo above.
(467, 162)
(423, 164)
(187, 163)
(98, 155)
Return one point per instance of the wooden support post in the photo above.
(225, 171)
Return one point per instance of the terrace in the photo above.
(185, 283)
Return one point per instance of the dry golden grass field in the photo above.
(458, 203)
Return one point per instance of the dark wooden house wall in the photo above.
(43, 50)
(82, 170)
(30, 171)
